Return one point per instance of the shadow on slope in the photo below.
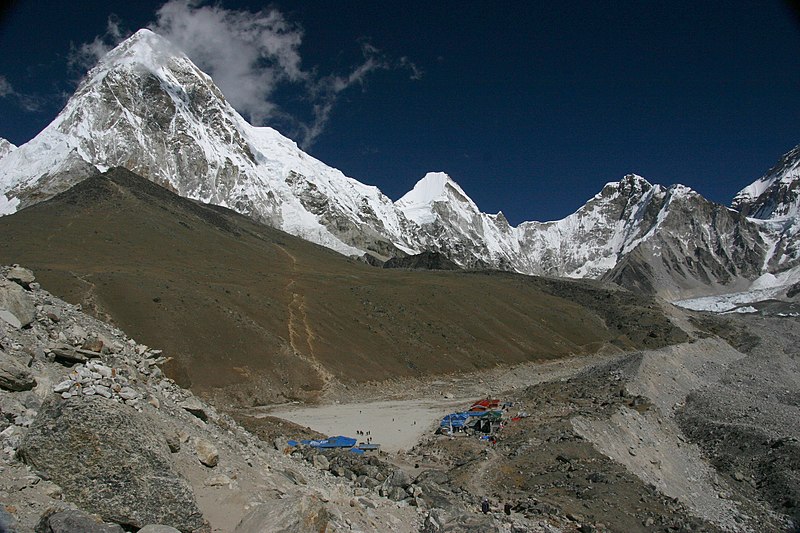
(253, 315)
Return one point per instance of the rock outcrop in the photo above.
(111, 460)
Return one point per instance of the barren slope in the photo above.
(258, 316)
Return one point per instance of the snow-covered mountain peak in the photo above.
(435, 187)
(776, 195)
(631, 185)
(432, 187)
(6, 148)
(143, 49)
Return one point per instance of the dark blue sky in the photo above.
(531, 108)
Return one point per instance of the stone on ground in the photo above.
(290, 515)
(14, 376)
(16, 307)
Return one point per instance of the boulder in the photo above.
(72, 521)
(21, 276)
(14, 376)
(320, 462)
(7, 520)
(110, 460)
(290, 515)
(16, 307)
(399, 478)
(158, 528)
(206, 452)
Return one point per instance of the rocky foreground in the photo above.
(700, 436)
(96, 439)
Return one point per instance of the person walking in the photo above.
(485, 505)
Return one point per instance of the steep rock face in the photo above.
(697, 247)
(451, 223)
(773, 201)
(589, 242)
(148, 108)
(776, 194)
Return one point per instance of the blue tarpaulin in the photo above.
(455, 420)
(331, 442)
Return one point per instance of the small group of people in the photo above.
(359, 432)
(485, 507)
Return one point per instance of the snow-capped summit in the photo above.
(144, 49)
(148, 108)
(6, 148)
(418, 204)
(776, 194)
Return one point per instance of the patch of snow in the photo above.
(8, 207)
(745, 309)
(766, 287)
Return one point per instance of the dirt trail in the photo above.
(301, 336)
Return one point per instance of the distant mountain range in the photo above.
(148, 108)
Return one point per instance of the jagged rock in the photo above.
(120, 451)
(74, 521)
(173, 441)
(206, 452)
(399, 478)
(294, 476)
(21, 276)
(16, 307)
(293, 515)
(93, 344)
(396, 494)
(320, 462)
(194, 406)
(13, 375)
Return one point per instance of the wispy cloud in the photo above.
(247, 54)
(27, 102)
(5, 87)
(84, 56)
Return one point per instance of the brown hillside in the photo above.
(255, 315)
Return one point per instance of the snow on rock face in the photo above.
(773, 201)
(6, 148)
(776, 194)
(418, 203)
(148, 108)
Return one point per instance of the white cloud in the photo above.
(247, 54)
(25, 101)
(250, 55)
(5, 87)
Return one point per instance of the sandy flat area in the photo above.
(394, 424)
(410, 409)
